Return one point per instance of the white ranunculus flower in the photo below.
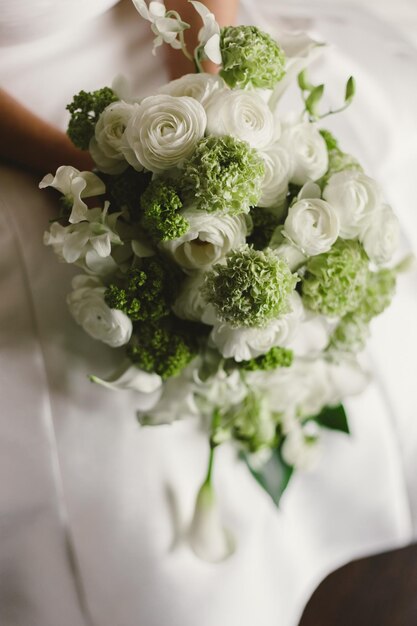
(88, 244)
(201, 87)
(163, 132)
(209, 238)
(75, 185)
(190, 304)
(89, 309)
(312, 336)
(346, 377)
(307, 150)
(243, 344)
(106, 147)
(241, 114)
(355, 197)
(277, 175)
(208, 539)
(312, 225)
(380, 235)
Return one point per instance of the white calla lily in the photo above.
(208, 539)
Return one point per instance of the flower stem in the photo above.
(210, 466)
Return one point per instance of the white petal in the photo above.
(141, 7)
(131, 377)
(101, 244)
(212, 49)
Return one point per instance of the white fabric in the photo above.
(92, 506)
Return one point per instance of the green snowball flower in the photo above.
(252, 288)
(250, 57)
(223, 174)
(335, 282)
(161, 205)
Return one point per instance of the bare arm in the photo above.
(225, 12)
(28, 141)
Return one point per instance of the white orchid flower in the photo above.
(209, 34)
(165, 27)
(130, 377)
(208, 539)
(75, 185)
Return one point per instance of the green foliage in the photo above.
(158, 346)
(126, 189)
(335, 282)
(85, 110)
(146, 293)
(223, 174)
(313, 94)
(252, 288)
(274, 358)
(161, 205)
(333, 417)
(264, 224)
(338, 160)
(273, 476)
(250, 57)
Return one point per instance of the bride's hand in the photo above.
(30, 142)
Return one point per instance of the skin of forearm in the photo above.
(29, 142)
(226, 14)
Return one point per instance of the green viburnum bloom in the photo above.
(274, 358)
(252, 288)
(159, 347)
(85, 110)
(147, 293)
(250, 57)
(253, 423)
(380, 290)
(161, 205)
(335, 282)
(223, 174)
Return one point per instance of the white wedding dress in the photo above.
(91, 505)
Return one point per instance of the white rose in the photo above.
(190, 304)
(163, 132)
(241, 114)
(277, 175)
(75, 185)
(312, 225)
(243, 344)
(307, 150)
(87, 305)
(106, 147)
(355, 197)
(380, 236)
(88, 244)
(209, 238)
(198, 86)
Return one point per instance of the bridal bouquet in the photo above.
(236, 252)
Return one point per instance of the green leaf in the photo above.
(314, 99)
(350, 89)
(273, 476)
(333, 417)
